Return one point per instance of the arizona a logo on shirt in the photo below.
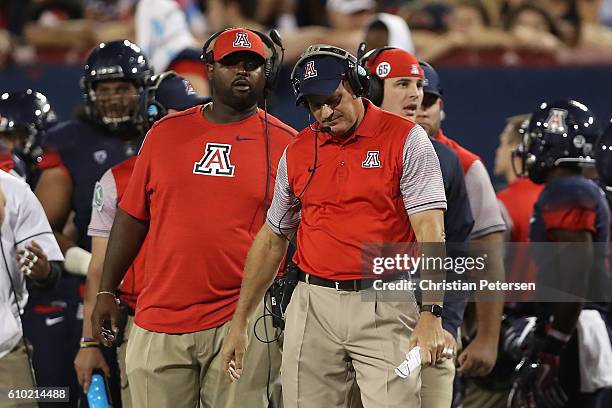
(309, 70)
(216, 161)
(242, 40)
(556, 121)
(371, 160)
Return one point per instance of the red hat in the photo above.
(395, 63)
(237, 39)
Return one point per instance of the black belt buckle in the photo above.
(356, 286)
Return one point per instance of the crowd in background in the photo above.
(566, 31)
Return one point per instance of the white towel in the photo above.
(595, 352)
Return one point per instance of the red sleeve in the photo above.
(52, 159)
(135, 200)
(572, 219)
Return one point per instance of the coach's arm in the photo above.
(261, 266)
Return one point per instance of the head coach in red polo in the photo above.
(358, 175)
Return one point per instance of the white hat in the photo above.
(350, 6)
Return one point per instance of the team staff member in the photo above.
(28, 250)
(167, 93)
(517, 199)
(478, 358)
(361, 175)
(396, 85)
(198, 194)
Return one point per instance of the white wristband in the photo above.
(77, 260)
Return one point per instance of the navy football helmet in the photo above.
(603, 157)
(116, 110)
(560, 133)
(26, 115)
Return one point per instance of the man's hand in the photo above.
(450, 345)
(429, 335)
(478, 358)
(87, 360)
(33, 262)
(234, 347)
(106, 309)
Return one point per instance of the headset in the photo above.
(376, 90)
(271, 66)
(355, 74)
(150, 108)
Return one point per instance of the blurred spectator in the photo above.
(429, 17)
(605, 13)
(565, 12)
(349, 14)
(468, 25)
(164, 36)
(593, 35)
(386, 29)
(532, 27)
(6, 46)
(242, 13)
(72, 24)
(468, 16)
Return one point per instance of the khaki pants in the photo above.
(327, 331)
(15, 373)
(184, 370)
(437, 384)
(126, 399)
(476, 397)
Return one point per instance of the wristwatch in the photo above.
(435, 310)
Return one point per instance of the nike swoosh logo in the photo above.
(51, 321)
(241, 139)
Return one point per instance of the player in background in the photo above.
(478, 358)
(25, 117)
(569, 363)
(165, 94)
(106, 132)
(396, 85)
(198, 194)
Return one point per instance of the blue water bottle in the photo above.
(98, 395)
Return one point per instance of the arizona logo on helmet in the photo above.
(216, 161)
(242, 40)
(309, 70)
(556, 121)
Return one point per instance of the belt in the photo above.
(353, 285)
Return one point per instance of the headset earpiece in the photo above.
(376, 89)
(150, 109)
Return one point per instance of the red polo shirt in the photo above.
(362, 191)
(466, 158)
(202, 187)
(518, 199)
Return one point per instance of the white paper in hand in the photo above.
(410, 364)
